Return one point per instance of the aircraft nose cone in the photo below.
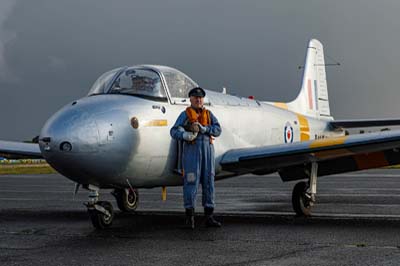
(69, 132)
(90, 142)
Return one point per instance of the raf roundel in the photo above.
(288, 133)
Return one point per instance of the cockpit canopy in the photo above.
(157, 82)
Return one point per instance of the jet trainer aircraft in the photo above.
(117, 137)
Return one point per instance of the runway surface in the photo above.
(356, 222)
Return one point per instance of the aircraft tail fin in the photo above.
(313, 97)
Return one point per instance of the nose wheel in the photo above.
(101, 213)
(127, 199)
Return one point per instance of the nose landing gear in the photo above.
(101, 213)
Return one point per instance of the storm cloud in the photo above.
(52, 51)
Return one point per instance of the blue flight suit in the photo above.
(198, 162)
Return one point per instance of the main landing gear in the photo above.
(127, 199)
(304, 193)
(101, 213)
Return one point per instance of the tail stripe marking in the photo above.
(316, 94)
(310, 98)
(304, 127)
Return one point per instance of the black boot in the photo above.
(210, 221)
(189, 220)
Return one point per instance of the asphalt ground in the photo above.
(356, 222)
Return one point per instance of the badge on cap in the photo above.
(198, 92)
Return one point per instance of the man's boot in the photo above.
(189, 220)
(210, 221)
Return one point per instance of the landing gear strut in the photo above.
(101, 212)
(127, 199)
(304, 193)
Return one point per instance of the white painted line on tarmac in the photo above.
(45, 188)
(365, 174)
(283, 213)
(36, 191)
(357, 195)
(30, 199)
(246, 195)
(54, 177)
(71, 192)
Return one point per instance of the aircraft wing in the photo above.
(365, 123)
(20, 149)
(333, 155)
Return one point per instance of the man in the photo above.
(197, 126)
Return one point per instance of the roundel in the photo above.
(288, 133)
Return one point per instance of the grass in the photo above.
(26, 169)
(393, 166)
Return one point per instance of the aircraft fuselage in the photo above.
(106, 149)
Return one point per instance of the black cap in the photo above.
(199, 92)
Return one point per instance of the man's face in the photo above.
(197, 101)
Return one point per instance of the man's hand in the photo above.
(193, 128)
(202, 128)
(189, 136)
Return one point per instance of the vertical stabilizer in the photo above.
(313, 97)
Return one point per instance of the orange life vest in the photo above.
(203, 117)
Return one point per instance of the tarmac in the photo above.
(356, 222)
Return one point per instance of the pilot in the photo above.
(196, 127)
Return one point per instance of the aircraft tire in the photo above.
(127, 199)
(300, 202)
(99, 219)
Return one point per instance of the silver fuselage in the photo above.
(107, 150)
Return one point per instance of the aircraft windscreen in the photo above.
(178, 84)
(103, 82)
(138, 82)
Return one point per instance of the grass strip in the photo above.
(26, 169)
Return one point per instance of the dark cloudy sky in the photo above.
(52, 51)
